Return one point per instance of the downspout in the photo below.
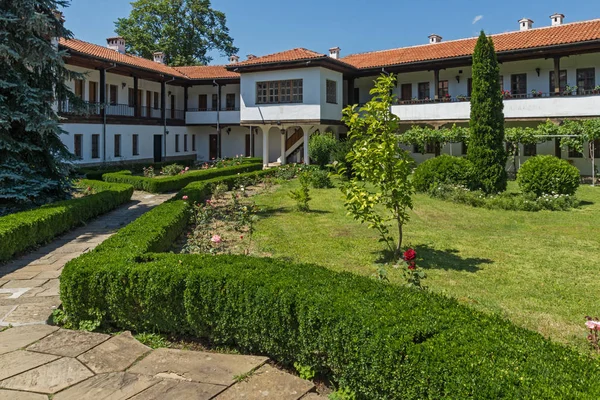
(165, 132)
(218, 118)
(104, 116)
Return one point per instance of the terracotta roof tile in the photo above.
(107, 54)
(208, 72)
(533, 38)
(288, 55)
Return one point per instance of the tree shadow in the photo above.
(585, 203)
(448, 259)
(271, 212)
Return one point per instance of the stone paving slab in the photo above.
(16, 338)
(14, 395)
(18, 275)
(116, 354)
(314, 396)
(218, 369)
(24, 283)
(15, 362)
(268, 383)
(49, 378)
(113, 386)
(175, 390)
(32, 313)
(48, 275)
(68, 343)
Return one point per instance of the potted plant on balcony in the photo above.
(596, 90)
(535, 93)
(447, 97)
(506, 94)
(569, 90)
(461, 97)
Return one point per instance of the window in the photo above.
(95, 146)
(193, 142)
(156, 100)
(79, 88)
(117, 145)
(406, 91)
(176, 143)
(230, 101)
(573, 153)
(185, 148)
(93, 92)
(215, 102)
(135, 145)
(586, 79)
(518, 84)
(424, 91)
(78, 146)
(331, 91)
(289, 91)
(529, 150)
(501, 82)
(130, 97)
(202, 102)
(111, 91)
(443, 89)
(563, 81)
(470, 86)
(432, 148)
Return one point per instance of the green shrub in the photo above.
(340, 151)
(173, 183)
(23, 230)
(97, 172)
(320, 178)
(444, 169)
(172, 170)
(320, 148)
(301, 195)
(548, 175)
(376, 340)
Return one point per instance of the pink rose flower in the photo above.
(594, 325)
(185, 197)
(216, 239)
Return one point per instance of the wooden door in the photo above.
(247, 151)
(212, 146)
(93, 95)
(202, 102)
(406, 91)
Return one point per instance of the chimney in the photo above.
(334, 53)
(159, 57)
(433, 38)
(525, 24)
(557, 19)
(116, 43)
(250, 56)
(234, 59)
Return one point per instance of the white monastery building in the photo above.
(143, 111)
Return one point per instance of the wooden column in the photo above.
(436, 83)
(136, 106)
(557, 76)
(163, 100)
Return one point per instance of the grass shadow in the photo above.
(430, 258)
(271, 212)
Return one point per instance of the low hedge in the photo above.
(173, 183)
(382, 341)
(444, 169)
(26, 229)
(550, 175)
(97, 172)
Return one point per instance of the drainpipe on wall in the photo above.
(104, 116)
(165, 132)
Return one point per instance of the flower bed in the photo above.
(177, 182)
(379, 340)
(26, 229)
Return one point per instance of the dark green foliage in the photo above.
(548, 175)
(486, 143)
(185, 30)
(444, 169)
(97, 172)
(33, 160)
(340, 151)
(23, 230)
(320, 178)
(320, 148)
(301, 195)
(377, 340)
(173, 183)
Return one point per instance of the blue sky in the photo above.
(267, 26)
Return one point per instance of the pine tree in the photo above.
(33, 160)
(486, 145)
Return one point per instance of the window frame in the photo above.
(214, 105)
(518, 84)
(113, 94)
(79, 86)
(95, 143)
(424, 91)
(530, 150)
(331, 91)
(230, 101)
(156, 101)
(563, 87)
(185, 142)
(78, 147)
(443, 89)
(287, 91)
(135, 145)
(590, 78)
(176, 143)
(117, 145)
(193, 142)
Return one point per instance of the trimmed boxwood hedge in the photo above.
(20, 231)
(173, 183)
(382, 341)
(442, 170)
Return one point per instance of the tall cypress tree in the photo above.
(33, 160)
(486, 145)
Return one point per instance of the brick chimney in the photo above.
(159, 57)
(116, 43)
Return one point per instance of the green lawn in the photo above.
(541, 270)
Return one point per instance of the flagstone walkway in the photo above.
(41, 362)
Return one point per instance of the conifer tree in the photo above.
(486, 145)
(33, 160)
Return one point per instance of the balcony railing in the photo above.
(211, 109)
(506, 95)
(120, 110)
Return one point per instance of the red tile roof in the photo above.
(288, 55)
(208, 72)
(534, 38)
(107, 54)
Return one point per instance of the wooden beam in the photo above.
(557, 75)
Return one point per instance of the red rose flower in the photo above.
(409, 255)
(412, 267)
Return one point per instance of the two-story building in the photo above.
(143, 110)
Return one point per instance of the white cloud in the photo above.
(477, 19)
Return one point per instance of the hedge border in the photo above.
(173, 183)
(23, 230)
(381, 341)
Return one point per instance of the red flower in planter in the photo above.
(410, 255)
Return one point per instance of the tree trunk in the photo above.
(399, 246)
